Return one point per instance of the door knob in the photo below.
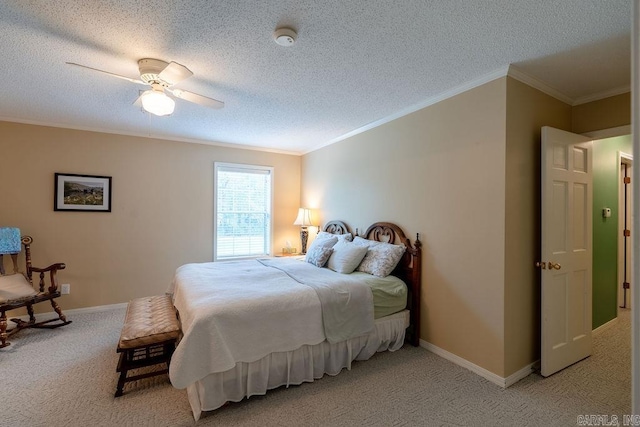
(554, 266)
(542, 265)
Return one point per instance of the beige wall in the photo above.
(527, 111)
(465, 174)
(438, 172)
(162, 206)
(602, 114)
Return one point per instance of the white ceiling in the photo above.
(356, 62)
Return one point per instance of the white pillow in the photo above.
(381, 257)
(346, 256)
(318, 255)
(326, 235)
(320, 243)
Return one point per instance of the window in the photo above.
(242, 211)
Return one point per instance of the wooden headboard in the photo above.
(409, 269)
(336, 227)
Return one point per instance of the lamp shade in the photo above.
(304, 217)
(157, 102)
(9, 240)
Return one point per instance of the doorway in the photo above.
(608, 277)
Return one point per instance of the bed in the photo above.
(254, 325)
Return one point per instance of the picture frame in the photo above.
(85, 193)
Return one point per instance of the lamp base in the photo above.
(304, 235)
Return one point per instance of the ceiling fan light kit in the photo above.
(157, 102)
(285, 36)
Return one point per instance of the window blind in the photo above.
(243, 211)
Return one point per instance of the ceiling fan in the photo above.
(161, 76)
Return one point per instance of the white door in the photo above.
(567, 193)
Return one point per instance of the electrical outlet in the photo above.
(65, 289)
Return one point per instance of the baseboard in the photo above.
(96, 309)
(604, 327)
(522, 373)
(488, 375)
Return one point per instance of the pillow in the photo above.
(381, 257)
(340, 237)
(320, 243)
(319, 255)
(364, 242)
(346, 256)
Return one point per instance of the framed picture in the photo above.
(82, 193)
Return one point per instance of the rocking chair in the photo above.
(16, 290)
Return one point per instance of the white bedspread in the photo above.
(346, 301)
(240, 311)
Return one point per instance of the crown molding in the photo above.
(501, 72)
(149, 136)
(602, 95)
(510, 70)
(525, 78)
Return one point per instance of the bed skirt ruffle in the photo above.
(304, 364)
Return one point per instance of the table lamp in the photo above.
(303, 220)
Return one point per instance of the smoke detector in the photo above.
(285, 36)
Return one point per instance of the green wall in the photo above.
(605, 230)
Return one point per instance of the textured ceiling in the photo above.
(355, 62)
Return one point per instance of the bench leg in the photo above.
(142, 357)
(122, 368)
(3, 330)
(121, 381)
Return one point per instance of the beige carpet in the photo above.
(66, 377)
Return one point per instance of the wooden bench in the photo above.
(151, 329)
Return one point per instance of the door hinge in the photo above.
(626, 285)
(627, 180)
(627, 233)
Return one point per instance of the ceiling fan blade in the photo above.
(108, 73)
(196, 99)
(174, 73)
(138, 102)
